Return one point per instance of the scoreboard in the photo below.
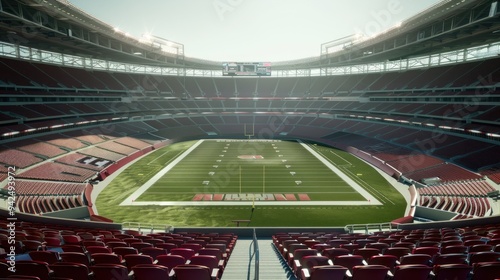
(246, 69)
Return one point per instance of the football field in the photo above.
(213, 182)
(230, 172)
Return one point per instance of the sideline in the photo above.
(129, 200)
(348, 180)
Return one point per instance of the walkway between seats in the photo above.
(271, 265)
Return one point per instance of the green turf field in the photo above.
(250, 167)
(220, 170)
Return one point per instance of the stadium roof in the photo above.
(59, 26)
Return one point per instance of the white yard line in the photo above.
(129, 200)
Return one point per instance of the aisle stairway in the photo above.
(271, 265)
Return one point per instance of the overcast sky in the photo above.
(252, 30)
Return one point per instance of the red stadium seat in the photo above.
(110, 271)
(369, 272)
(411, 272)
(149, 272)
(452, 271)
(191, 272)
(324, 272)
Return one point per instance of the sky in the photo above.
(252, 30)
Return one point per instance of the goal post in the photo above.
(249, 130)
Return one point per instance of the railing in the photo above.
(255, 254)
(369, 227)
(457, 56)
(147, 227)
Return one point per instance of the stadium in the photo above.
(376, 159)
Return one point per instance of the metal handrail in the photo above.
(255, 246)
(146, 226)
(368, 227)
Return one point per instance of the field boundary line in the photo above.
(375, 192)
(159, 175)
(362, 191)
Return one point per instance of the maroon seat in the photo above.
(167, 246)
(452, 271)
(72, 239)
(113, 244)
(149, 272)
(366, 253)
(480, 248)
(450, 259)
(170, 261)
(386, 260)
(324, 272)
(52, 241)
(88, 243)
(75, 257)
(34, 245)
(191, 272)
(454, 249)
(140, 245)
(110, 271)
(337, 242)
(49, 257)
(122, 251)
(412, 272)
(331, 253)
(73, 271)
(131, 240)
(185, 252)
(135, 259)
(362, 242)
(309, 262)
(298, 254)
(153, 252)
(348, 261)
(196, 247)
(106, 258)
(379, 245)
(432, 251)
(416, 259)
(487, 256)
(486, 271)
(34, 268)
(98, 249)
(213, 252)
(73, 248)
(350, 247)
(369, 272)
(397, 251)
(208, 261)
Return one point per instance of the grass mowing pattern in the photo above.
(189, 176)
(268, 167)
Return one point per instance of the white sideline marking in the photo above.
(129, 200)
(341, 174)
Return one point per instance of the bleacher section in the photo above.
(37, 197)
(50, 247)
(467, 199)
(52, 172)
(467, 248)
